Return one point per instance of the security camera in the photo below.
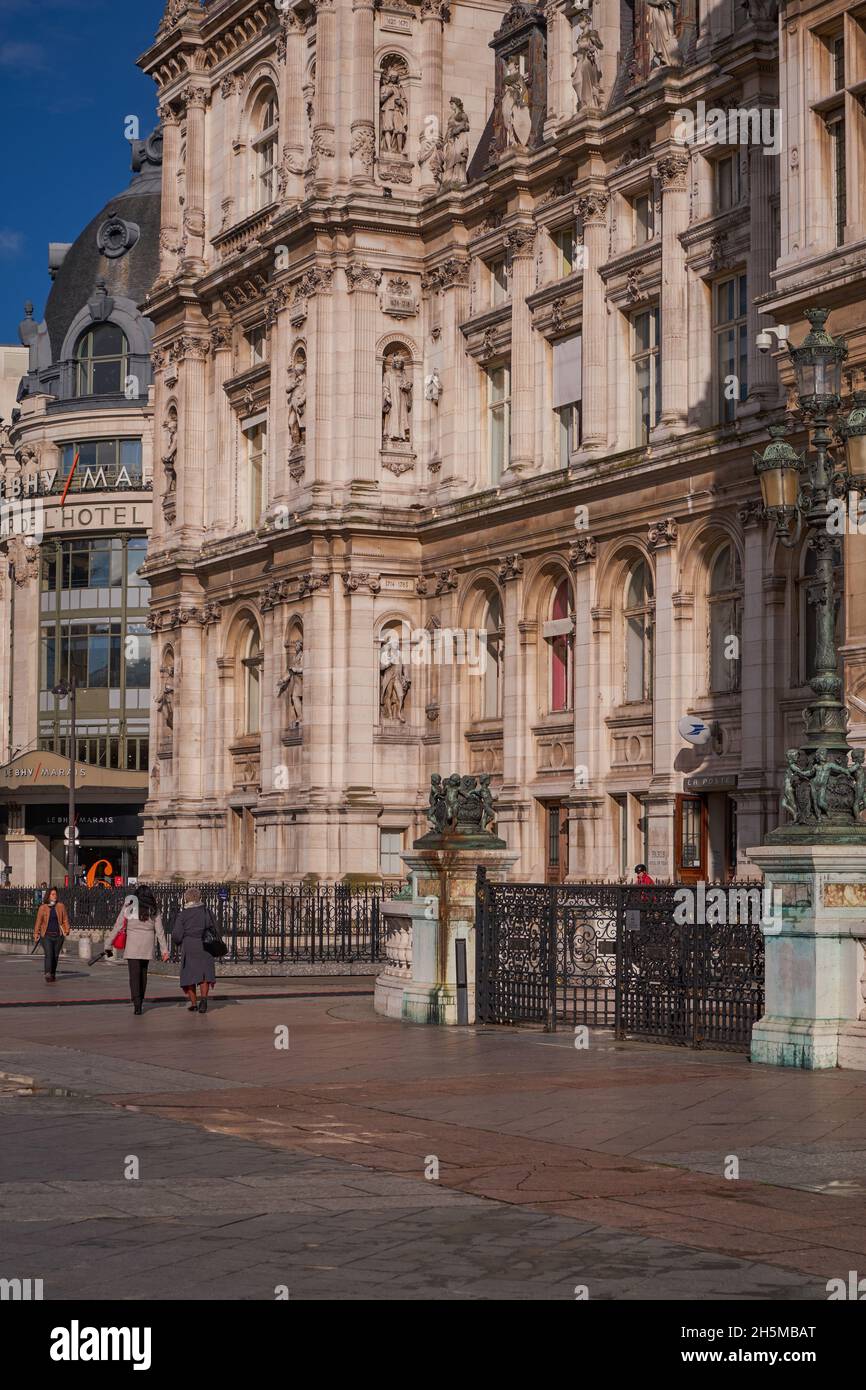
(764, 339)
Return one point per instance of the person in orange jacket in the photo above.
(52, 925)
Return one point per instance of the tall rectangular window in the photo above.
(732, 345)
(567, 395)
(390, 847)
(498, 282)
(644, 219)
(257, 343)
(839, 174)
(567, 255)
(256, 435)
(727, 182)
(646, 365)
(838, 54)
(499, 419)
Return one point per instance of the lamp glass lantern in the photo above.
(818, 363)
(778, 469)
(853, 431)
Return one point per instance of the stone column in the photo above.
(193, 213)
(674, 347)
(291, 50)
(170, 217)
(763, 377)
(513, 703)
(218, 493)
(321, 168)
(362, 146)
(187, 761)
(451, 281)
(367, 412)
(521, 246)
(560, 93)
(320, 463)
(586, 702)
(666, 700)
(434, 14)
(592, 210)
(362, 715)
(192, 448)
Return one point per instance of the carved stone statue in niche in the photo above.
(293, 682)
(662, 40)
(394, 684)
(586, 72)
(169, 462)
(165, 699)
(455, 154)
(516, 104)
(433, 387)
(393, 109)
(296, 401)
(396, 403)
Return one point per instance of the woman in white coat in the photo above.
(143, 930)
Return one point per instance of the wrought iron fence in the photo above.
(616, 955)
(259, 923)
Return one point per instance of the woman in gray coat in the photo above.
(143, 931)
(196, 965)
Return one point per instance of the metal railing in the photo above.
(259, 923)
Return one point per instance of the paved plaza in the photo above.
(312, 1167)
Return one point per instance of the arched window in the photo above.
(491, 693)
(101, 361)
(638, 614)
(724, 601)
(252, 665)
(559, 634)
(264, 144)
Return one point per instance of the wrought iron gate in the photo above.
(613, 955)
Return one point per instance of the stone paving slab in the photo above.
(556, 1167)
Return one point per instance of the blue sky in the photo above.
(67, 81)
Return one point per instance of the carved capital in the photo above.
(520, 241)
(510, 567)
(436, 9)
(362, 277)
(582, 551)
(662, 533)
(592, 207)
(752, 513)
(353, 582)
(273, 594)
(672, 170)
(309, 583)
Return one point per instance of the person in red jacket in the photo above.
(641, 875)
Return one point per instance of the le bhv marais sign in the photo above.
(48, 482)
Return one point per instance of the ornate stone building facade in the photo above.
(458, 387)
(75, 506)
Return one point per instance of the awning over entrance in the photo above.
(45, 773)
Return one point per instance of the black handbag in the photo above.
(212, 941)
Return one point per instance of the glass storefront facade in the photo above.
(93, 611)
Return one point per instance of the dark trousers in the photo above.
(137, 981)
(51, 946)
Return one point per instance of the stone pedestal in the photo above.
(419, 983)
(815, 1015)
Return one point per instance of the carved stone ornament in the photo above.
(582, 551)
(662, 533)
(353, 582)
(672, 170)
(592, 207)
(310, 583)
(273, 594)
(362, 147)
(511, 567)
(520, 241)
(115, 237)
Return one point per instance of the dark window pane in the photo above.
(108, 340)
(98, 675)
(135, 553)
(116, 652)
(116, 563)
(107, 378)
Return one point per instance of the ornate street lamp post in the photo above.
(825, 780)
(66, 690)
